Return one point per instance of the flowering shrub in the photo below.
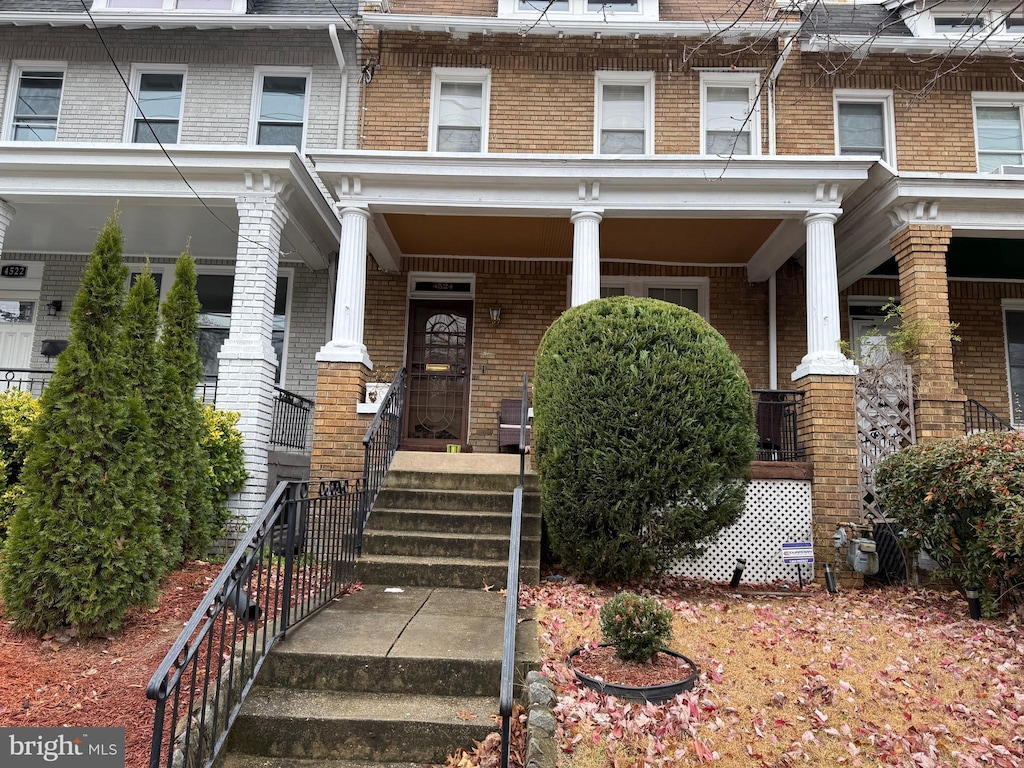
(637, 626)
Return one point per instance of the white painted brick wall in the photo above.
(221, 68)
(307, 328)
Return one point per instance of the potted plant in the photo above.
(633, 661)
(382, 376)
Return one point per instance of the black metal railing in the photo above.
(297, 557)
(289, 426)
(508, 651)
(978, 418)
(25, 379)
(775, 414)
(206, 390)
(379, 445)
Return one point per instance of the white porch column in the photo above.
(823, 322)
(247, 360)
(6, 217)
(586, 255)
(346, 344)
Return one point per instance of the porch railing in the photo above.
(290, 423)
(35, 381)
(508, 652)
(379, 445)
(775, 414)
(296, 558)
(978, 418)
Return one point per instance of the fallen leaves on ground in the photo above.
(893, 678)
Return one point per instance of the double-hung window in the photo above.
(459, 105)
(730, 114)
(999, 130)
(554, 11)
(209, 6)
(689, 292)
(864, 124)
(280, 108)
(156, 108)
(34, 104)
(624, 113)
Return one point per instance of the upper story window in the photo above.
(157, 114)
(191, 6)
(964, 20)
(554, 10)
(730, 114)
(459, 105)
(34, 102)
(864, 124)
(624, 113)
(998, 130)
(280, 109)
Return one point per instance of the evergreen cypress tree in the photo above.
(84, 546)
(184, 465)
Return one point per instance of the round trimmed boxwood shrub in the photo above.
(644, 430)
(637, 626)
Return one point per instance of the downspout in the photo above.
(773, 335)
(773, 77)
(332, 30)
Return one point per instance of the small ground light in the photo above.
(830, 580)
(974, 602)
(737, 572)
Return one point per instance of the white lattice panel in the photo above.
(777, 511)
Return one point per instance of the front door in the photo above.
(438, 362)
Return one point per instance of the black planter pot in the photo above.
(656, 694)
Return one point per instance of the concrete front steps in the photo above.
(406, 671)
(447, 528)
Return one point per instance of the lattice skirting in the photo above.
(777, 511)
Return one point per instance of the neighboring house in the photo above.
(492, 162)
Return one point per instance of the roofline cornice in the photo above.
(462, 25)
(173, 20)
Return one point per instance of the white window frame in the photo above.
(257, 98)
(237, 7)
(993, 20)
(459, 75)
(637, 287)
(17, 69)
(862, 96)
(994, 99)
(167, 272)
(646, 79)
(647, 10)
(730, 79)
(1010, 305)
(138, 70)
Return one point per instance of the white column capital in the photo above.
(830, 215)
(586, 214)
(347, 209)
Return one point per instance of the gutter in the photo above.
(487, 25)
(332, 30)
(170, 20)
(773, 76)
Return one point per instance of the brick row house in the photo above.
(446, 178)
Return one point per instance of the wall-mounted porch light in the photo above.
(54, 307)
(495, 313)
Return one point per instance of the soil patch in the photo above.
(603, 664)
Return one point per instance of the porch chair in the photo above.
(509, 419)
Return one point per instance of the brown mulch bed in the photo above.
(59, 680)
(602, 663)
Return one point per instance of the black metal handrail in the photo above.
(26, 379)
(775, 414)
(978, 418)
(508, 651)
(379, 445)
(206, 390)
(297, 557)
(289, 426)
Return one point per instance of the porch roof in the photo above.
(972, 204)
(418, 200)
(63, 192)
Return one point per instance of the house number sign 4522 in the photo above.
(13, 270)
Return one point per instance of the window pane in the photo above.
(612, 5)
(35, 132)
(135, 4)
(957, 24)
(612, 290)
(622, 143)
(214, 292)
(726, 143)
(283, 100)
(684, 297)
(988, 163)
(999, 128)
(37, 106)
(158, 278)
(460, 105)
(861, 129)
(279, 135)
(622, 107)
(12, 311)
(727, 108)
(458, 139)
(540, 5)
(204, 5)
(160, 95)
(167, 132)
